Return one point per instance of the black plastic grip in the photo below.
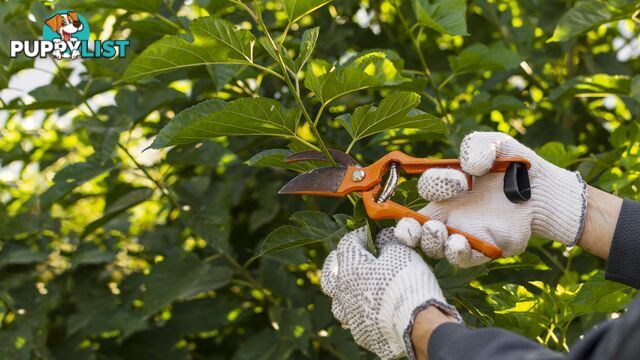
(517, 187)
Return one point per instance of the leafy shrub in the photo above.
(186, 251)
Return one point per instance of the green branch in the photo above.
(293, 89)
(427, 72)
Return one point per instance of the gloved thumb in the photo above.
(386, 239)
(330, 273)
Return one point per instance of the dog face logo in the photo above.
(69, 27)
(65, 24)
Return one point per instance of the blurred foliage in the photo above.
(186, 251)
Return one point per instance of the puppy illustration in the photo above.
(65, 25)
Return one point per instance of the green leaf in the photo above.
(559, 154)
(479, 57)
(340, 343)
(600, 295)
(221, 74)
(584, 15)
(213, 118)
(452, 279)
(366, 71)
(202, 315)
(206, 153)
(596, 85)
(180, 278)
(407, 194)
(307, 46)
(443, 16)
(264, 346)
(266, 45)
(90, 254)
(13, 254)
(311, 227)
(484, 103)
(274, 158)
(138, 104)
(50, 96)
(268, 206)
(296, 9)
(587, 15)
(215, 41)
(123, 203)
(73, 176)
(635, 88)
(105, 135)
(211, 218)
(397, 110)
(526, 260)
(294, 326)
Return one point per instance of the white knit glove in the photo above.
(555, 211)
(378, 298)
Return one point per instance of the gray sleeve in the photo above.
(454, 341)
(624, 256)
(607, 340)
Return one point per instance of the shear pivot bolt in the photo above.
(358, 175)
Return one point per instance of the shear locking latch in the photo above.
(517, 187)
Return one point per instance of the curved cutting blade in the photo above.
(341, 157)
(323, 181)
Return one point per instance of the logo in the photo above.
(66, 35)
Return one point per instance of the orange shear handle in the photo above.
(393, 210)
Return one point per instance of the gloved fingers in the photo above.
(390, 245)
(458, 252)
(352, 251)
(385, 238)
(408, 230)
(479, 150)
(330, 273)
(439, 184)
(433, 236)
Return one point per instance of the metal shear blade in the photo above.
(323, 181)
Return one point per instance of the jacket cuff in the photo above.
(622, 265)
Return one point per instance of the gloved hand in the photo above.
(378, 298)
(555, 211)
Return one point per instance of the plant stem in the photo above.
(284, 36)
(163, 189)
(246, 8)
(317, 119)
(446, 81)
(551, 258)
(293, 90)
(353, 142)
(175, 13)
(423, 62)
(307, 143)
(169, 22)
(266, 69)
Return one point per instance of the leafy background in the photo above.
(186, 251)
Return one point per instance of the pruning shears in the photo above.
(348, 176)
